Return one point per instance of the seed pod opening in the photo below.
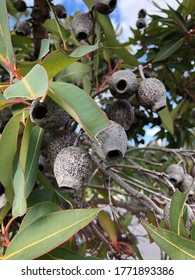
(105, 7)
(111, 143)
(48, 115)
(72, 167)
(59, 141)
(122, 112)
(82, 26)
(152, 94)
(123, 84)
(22, 28)
(141, 23)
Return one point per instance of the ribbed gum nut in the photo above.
(141, 23)
(82, 26)
(176, 174)
(20, 5)
(22, 28)
(111, 143)
(59, 141)
(123, 84)
(190, 217)
(72, 167)
(48, 115)
(188, 183)
(60, 11)
(105, 7)
(152, 94)
(122, 112)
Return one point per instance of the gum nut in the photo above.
(72, 167)
(123, 84)
(60, 11)
(48, 115)
(141, 23)
(176, 174)
(82, 26)
(22, 28)
(174, 168)
(142, 13)
(152, 94)
(166, 214)
(192, 171)
(59, 141)
(42, 164)
(111, 143)
(105, 7)
(20, 5)
(122, 112)
(188, 183)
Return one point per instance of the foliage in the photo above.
(39, 220)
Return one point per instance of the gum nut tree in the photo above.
(123, 183)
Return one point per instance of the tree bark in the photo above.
(40, 13)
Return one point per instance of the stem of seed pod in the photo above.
(141, 72)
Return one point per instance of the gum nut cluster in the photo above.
(20, 5)
(151, 94)
(190, 217)
(22, 28)
(176, 174)
(111, 143)
(59, 141)
(122, 112)
(82, 26)
(123, 84)
(105, 7)
(72, 167)
(48, 115)
(60, 11)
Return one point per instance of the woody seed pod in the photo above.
(72, 167)
(141, 23)
(122, 112)
(142, 13)
(152, 94)
(20, 5)
(188, 183)
(105, 7)
(123, 84)
(82, 26)
(60, 11)
(59, 141)
(22, 28)
(48, 115)
(111, 143)
(176, 174)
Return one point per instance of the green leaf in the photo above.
(56, 61)
(177, 17)
(168, 50)
(38, 211)
(8, 146)
(83, 50)
(73, 73)
(45, 43)
(80, 106)
(5, 33)
(62, 254)
(33, 85)
(53, 28)
(175, 246)
(47, 233)
(108, 225)
(176, 211)
(189, 5)
(166, 119)
(32, 159)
